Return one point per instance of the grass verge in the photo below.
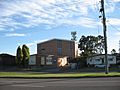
(58, 75)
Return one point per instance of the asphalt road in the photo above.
(111, 83)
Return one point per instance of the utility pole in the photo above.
(102, 10)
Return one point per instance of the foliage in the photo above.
(19, 56)
(91, 45)
(100, 44)
(26, 55)
(73, 36)
(22, 56)
(113, 51)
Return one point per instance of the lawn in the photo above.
(56, 75)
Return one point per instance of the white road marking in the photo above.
(27, 86)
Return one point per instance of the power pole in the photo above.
(102, 10)
(119, 46)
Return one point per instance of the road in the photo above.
(111, 83)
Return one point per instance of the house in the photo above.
(32, 60)
(50, 51)
(7, 60)
(117, 58)
(99, 60)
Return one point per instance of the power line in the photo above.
(115, 28)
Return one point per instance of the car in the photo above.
(100, 66)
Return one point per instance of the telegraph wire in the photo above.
(115, 28)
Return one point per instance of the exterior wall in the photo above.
(32, 60)
(56, 48)
(7, 60)
(100, 60)
(77, 50)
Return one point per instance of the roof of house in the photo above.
(33, 55)
(4, 55)
(101, 55)
(55, 39)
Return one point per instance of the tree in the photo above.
(100, 45)
(26, 56)
(113, 51)
(91, 45)
(73, 36)
(19, 56)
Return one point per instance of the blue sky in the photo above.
(32, 21)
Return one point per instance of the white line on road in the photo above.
(27, 86)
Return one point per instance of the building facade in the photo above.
(49, 51)
(7, 60)
(99, 60)
(32, 60)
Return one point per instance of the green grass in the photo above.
(43, 75)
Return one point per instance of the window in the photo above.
(102, 60)
(59, 51)
(110, 59)
(49, 60)
(39, 48)
(97, 60)
(59, 43)
(42, 60)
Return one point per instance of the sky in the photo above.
(33, 21)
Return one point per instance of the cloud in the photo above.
(114, 21)
(116, 0)
(35, 12)
(30, 44)
(23, 13)
(118, 33)
(33, 45)
(84, 22)
(15, 34)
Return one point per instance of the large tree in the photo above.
(26, 56)
(91, 45)
(19, 56)
(100, 45)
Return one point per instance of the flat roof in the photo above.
(101, 55)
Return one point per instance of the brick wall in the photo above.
(56, 47)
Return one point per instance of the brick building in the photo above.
(49, 51)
